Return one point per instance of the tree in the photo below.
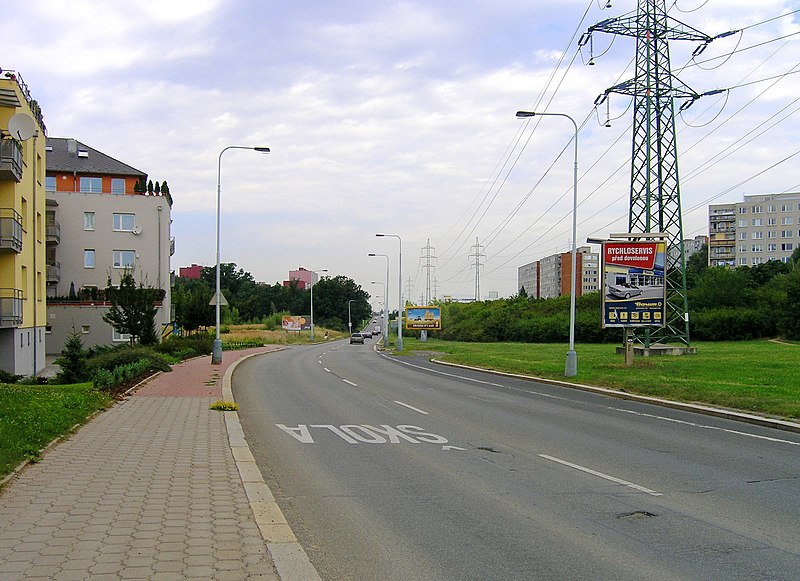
(73, 360)
(133, 309)
(696, 266)
(192, 300)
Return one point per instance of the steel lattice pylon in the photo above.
(655, 202)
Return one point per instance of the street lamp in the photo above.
(349, 322)
(312, 299)
(216, 351)
(385, 302)
(399, 290)
(571, 366)
(385, 339)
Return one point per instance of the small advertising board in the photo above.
(296, 323)
(426, 318)
(634, 285)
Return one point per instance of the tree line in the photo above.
(724, 305)
(253, 302)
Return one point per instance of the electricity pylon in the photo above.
(655, 202)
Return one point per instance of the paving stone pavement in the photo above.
(146, 490)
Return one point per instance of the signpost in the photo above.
(634, 289)
(296, 323)
(427, 318)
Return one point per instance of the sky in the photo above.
(399, 118)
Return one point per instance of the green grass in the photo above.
(31, 416)
(753, 376)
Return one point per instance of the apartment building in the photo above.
(108, 225)
(761, 228)
(22, 232)
(551, 276)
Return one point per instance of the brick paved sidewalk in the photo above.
(146, 490)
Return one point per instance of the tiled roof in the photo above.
(61, 159)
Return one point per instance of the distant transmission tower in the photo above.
(477, 255)
(655, 203)
(428, 255)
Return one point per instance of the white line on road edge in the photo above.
(287, 554)
(706, 427)
(350, 383)
(601, 475)
(411, 407)
(326, 369)
(441, 372)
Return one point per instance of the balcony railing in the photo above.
(10, 229)
(10, 160)
(53, 232)
(172, 246)
(54, 272)
(10, 307)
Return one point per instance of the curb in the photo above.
(690, 407)
(289, 557)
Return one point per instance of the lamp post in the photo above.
(312, 298)
(216, 351)
(385, 314)
(349, 322)
(571, 366)
(399, 290)
(385, 302)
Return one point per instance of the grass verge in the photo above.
(753, 376)
(31, 416)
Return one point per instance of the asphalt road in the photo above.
(394, 468)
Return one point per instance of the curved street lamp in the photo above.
(571, 365)
(216, 351)
(385, 302)
(400, 303)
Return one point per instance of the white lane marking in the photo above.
(443, 373)
(452, 448)
(326, 369)
(411, 407)
(706, 427)
(601, 475)
(350, 383)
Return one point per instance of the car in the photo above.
(624, 292)
(367, 334)
(356, 338)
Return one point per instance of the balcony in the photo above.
(53, 232)
(54, 272)
(10, 160)
(10, 230)
(172, 246)
(10, 307)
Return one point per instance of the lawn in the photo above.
(31, 416)
(753, 376)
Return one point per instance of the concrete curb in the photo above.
(691, 407)
(290, 559)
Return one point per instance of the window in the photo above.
(756, 209)
(758, 260)
(742, 223)
(91, 185)
(772, 247)
(119, 337)
(786, 233)
(742, 235)
(84, 329)
(787, 247)
(50, 184)
(772, 221)
(771, 209)
(742, 248)
(117, 185)
(742, 262)
(757, 248)
(743, 210)
(786, 208)
(758, 235)
(787, 221)
(88, 258)
(88, 220)
(757, 222)
(124, 258)
(772, 234)
(124, 222)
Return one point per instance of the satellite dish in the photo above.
(21, 126)
(137, 230)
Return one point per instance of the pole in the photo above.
(571, 365)
(385, 302)
(216, 351)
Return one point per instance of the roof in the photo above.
(64, 157)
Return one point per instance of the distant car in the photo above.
(624, 292)
(367, 334)
(356, 338)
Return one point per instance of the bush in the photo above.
(123, 355)
(196, 344)
(6, 377)
(107, 380)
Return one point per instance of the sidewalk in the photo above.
(146, 490)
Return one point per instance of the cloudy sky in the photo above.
(399, 117)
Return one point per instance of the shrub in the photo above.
(72, 362)
(224, 406)
(106, 379)
(196, 344)
(113, 358)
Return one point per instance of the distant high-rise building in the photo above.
(303, 277)
(551, 276)
(194, 271)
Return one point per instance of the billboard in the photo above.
(423, 318)
(296, 323)
(634, 285)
